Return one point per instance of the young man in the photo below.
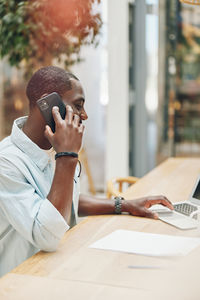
(39, 196)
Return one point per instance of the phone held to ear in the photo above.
(45, 106)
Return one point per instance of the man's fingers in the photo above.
(48, 132)
(81, 128)
(160, 200)
(76, 120)
(69, 114)
(56, 115)
(150, 214)
(145, 212)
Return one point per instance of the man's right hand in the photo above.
(69, 132)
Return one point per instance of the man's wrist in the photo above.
(125, 206)
(66, 161)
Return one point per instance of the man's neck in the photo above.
(34, 128)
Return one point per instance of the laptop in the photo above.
(181, 216)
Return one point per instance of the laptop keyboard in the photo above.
(185, 208)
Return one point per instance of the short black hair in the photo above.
(48, 80)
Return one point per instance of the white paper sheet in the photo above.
(147, 243)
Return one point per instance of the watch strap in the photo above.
(118, 205)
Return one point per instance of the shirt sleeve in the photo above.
(33, 217)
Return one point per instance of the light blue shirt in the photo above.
(28, 220)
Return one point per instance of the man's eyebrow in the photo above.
(80, 100)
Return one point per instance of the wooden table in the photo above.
(76, 271)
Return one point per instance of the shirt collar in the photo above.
(22, 141)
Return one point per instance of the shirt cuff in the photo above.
(51, 219)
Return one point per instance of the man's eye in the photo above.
(79, 107)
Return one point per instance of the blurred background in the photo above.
(139, 64)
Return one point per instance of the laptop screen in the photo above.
(196, 193)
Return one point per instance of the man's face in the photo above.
(76, 99)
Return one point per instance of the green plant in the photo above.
(35, 32)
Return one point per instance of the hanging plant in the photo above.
(34, 32)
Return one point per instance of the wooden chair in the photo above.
(84, 161)
(115, 185)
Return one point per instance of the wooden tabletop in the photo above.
(80, 271)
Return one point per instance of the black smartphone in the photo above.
(45, 106)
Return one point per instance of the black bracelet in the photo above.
(60, 154)
(80, 168)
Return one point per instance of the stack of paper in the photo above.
(147, 243)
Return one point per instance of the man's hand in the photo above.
(139, 207)
(69, 132)
(67, 138)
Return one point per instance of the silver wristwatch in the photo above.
(118, 205)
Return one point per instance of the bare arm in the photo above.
(61, 192)
(67, 138)
(89, 205)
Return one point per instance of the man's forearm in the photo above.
(89, 205)
(61, 191)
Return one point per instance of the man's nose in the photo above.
(84, 116)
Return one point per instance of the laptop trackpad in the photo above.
(178, 220)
